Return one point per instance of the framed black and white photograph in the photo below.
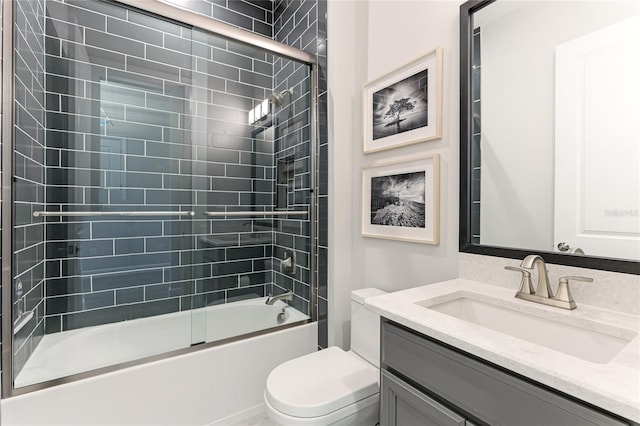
(401, 200)
(405, 105)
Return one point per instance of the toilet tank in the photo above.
(365, 326)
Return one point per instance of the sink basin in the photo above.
(590, 341)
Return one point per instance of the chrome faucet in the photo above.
(543, 294)
(284, 296)
(543, 289)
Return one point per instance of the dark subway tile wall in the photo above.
(476, 154)
(122, 87)
(29, 247)
(252, 15)
(143, 114)
(302, 24)
(322, 177)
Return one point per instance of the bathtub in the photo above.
(76, 351)
(200, 387)
(195, 388)
(211, 386)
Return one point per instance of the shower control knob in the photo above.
(18, 288)
(18, 291)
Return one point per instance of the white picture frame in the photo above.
(404, 106)
(401, 199)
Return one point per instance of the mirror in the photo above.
(549, 131)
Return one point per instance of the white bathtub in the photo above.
(197, 388)
(75, 351)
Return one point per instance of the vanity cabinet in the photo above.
(404, 405)
(425, 382)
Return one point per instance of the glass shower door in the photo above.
(104, 194)
(162, 188)
(252, 135)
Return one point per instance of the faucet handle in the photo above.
(564, 293)
(576, 278)
(526, 286)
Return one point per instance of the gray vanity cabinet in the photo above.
(404, 405)
(424, 382)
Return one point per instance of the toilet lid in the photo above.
(320, 383)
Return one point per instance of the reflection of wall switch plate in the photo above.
(285, 267)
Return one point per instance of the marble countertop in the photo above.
(614, 386)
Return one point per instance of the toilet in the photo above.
(332, 386)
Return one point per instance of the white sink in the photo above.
(591, 341)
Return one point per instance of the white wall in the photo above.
(366, 39)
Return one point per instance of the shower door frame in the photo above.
(183, 17)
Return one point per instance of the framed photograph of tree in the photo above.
(401, 199)
(405, 105)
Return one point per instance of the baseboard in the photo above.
(239, 417)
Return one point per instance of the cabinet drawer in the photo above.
(479, 389)
(403, 405)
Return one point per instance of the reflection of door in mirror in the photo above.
(597, 142)
(514, 145)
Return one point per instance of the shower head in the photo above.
(277, 98)
(263, 109)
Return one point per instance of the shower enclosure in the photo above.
(153, 168)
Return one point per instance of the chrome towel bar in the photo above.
(116, 213)
(255, 213)
(173, 213)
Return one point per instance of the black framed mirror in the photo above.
(501, 177)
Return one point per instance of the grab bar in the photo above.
(254, 213)
(123, 213)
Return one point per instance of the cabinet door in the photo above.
(403, 405)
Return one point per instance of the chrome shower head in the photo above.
(278, 98)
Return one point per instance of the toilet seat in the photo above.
(320, 383)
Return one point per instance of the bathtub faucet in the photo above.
(284, 296)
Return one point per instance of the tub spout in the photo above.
(284, 296)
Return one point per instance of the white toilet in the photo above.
(332, 386)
